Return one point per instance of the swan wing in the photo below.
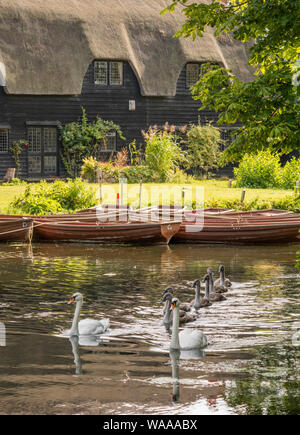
(192, 339)
(92, 326)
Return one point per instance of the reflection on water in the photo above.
(250, 365)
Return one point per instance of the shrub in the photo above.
(60, 196)
(202, 149)
(290, 174)
(261, 170)
(135, 173)
(162, 153)
(89, 169)
(14, 182)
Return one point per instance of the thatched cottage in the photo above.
(118, 59)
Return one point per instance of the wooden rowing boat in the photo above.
(259, 232)
(139, 233)
(15, 230)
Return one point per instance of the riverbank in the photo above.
(214, 193)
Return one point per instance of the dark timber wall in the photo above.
(109, 102)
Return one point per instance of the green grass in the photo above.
(7, 195)
(213, 190)
(154, 193)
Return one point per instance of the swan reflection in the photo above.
(175, 356)
(75, 349)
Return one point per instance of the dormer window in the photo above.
(194, 71)
(192, 74)
(100, 72)
(108, 73)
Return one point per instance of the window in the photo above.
(227, 137)
(192, 74)
(108, 73)
(42, 150)
(34, 165)
(34, 140)
(194, 71)
(50, 139)
(3, 140)
(111, 142)
(116, 73)
(100, 73)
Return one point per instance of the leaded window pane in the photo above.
(192, 74)
(110, 142)
(100, 72)
(50, 139)
(34, 140)
(116, 73)
(34, 164)
(50, 164)
(3, 140)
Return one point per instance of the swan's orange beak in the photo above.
(71, 300)
(173, 306)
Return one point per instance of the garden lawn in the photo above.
(154, 193)
(7, 195)
(213, 190)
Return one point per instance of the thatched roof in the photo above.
(47, 45)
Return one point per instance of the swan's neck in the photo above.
(222, 277)
(175, 329)
(207, 290)
(167, 312)
(197, 295)
(74, 329)
(211, 284)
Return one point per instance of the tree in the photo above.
(268, 106)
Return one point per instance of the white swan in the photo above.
(86, 326)
(187, 338)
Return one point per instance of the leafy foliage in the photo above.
(56, 197)
(290, 174)
(268, 106)
(261, 170)
(162, 153)
(202, 148)
(84, 139)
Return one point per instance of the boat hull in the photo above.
(16, 230)
(259, 233)
(140, 233)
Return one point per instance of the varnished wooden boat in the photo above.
(259, 232)
(15, 230)
(116, 232)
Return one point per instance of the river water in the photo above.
(251, 365)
